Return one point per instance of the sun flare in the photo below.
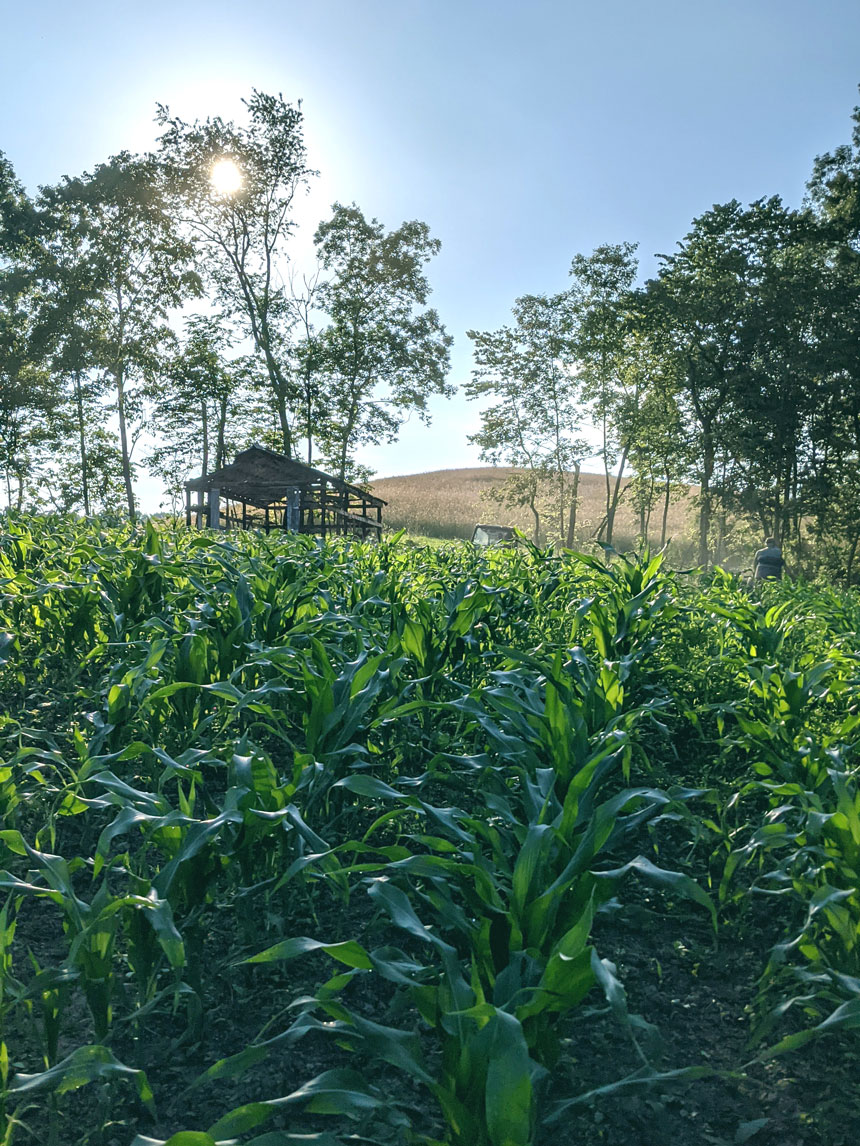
(225, 177)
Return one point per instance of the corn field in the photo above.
(341, 843)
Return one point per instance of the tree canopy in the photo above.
(158, 298)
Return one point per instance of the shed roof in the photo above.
(261, 477)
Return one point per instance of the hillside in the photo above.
(448, 503)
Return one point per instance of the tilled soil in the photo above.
(693, 999)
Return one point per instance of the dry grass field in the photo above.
(449, 503)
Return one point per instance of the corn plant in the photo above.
(445, 763)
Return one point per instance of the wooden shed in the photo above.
(262, 489)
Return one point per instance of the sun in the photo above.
(225, 177)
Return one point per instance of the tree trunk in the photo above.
(795, 506)
(284, 423)
(574, 498)
(79, 402)
(665, 511)
(849, 566)
(204, 425)
(616, 493)
(348, 432)
(533, 508)
(220, 448)
(123, 441)
(649, 508)
(785, 519)
(309, 423)
(119, 379)
(705, 494)
(608, 486)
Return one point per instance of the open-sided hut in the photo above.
(262, 489)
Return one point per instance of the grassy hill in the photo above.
(449, 503)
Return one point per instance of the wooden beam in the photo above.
(358, 519)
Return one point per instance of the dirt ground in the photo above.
(694, 998)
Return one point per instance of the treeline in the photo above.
(736, 369)
(150, 312)
(152, 307)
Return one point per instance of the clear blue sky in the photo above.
(521, 133)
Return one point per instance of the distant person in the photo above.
(768, 562)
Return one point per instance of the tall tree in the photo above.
(510, 433)
(384, 352)
(27, 393)
(200, 406)
(312, 410)
(834, 188)
(528, 372)
(66, 334)
(720, 315)
(608, 366)
(241, 222)
(833, 499)
(28, 398)
(97, 489)
(17, 213)
(137, 270)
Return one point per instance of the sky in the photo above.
(522, 134)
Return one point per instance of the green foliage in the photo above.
(528, 370)
(382, 353)
(229, 762)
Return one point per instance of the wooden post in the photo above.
(323, 493)
(244, 515)
(215, 508)
(187, 508)
(291, 513)
(267, 519)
